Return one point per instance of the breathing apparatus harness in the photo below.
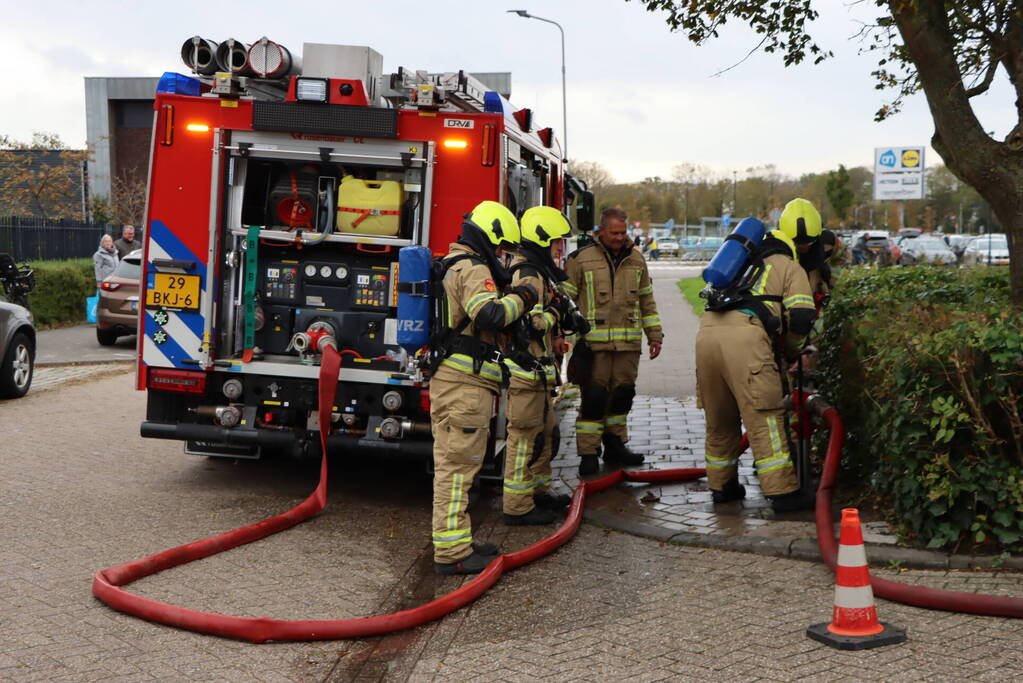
(538, 263)
(739, 294)
(446, 340)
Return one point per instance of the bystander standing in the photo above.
(104, 261)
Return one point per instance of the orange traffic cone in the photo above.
(854, 624)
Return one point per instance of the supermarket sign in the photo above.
(898, 173)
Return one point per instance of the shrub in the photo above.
(61, 288)
(926, 367)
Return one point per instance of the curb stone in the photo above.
(879, 555)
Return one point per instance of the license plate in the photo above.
(180, 292)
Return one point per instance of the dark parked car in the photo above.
(17, 331)
(118, 310)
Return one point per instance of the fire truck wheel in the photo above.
(106, 337)
(16, 371)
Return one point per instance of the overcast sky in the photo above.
(640, 99)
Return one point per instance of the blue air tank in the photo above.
(414, 298)
(731, 258)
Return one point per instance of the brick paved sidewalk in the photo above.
(667, 427)
(614, 607)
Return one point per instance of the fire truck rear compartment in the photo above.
(279, 415)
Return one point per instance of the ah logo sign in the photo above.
(887, 159)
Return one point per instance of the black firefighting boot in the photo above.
(482, 548)
(473, 564)
(792, 502)
(732, 490)
(552, 501)
(589, 463)
(534, 516)
(617, 453)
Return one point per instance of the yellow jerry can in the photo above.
(369, 207)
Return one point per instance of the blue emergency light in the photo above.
(178, 84)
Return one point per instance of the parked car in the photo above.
(991, 250)
(704, 249)
(875, 246)
(17, 329)
(668, 246)
(957, 243)
(926, 249)
(118, 310)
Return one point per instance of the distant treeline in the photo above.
(843, 196)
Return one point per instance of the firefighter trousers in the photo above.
(606, 399)
(460, 416)
(738, 384)
(527, 452)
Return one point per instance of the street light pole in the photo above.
(564, 93)
(735, 205)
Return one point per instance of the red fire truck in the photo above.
(278, 203)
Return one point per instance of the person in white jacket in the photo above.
(104, 261)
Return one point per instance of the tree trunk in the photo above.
(994, 169)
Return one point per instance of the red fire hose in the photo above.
(921, 596)
(107, 584)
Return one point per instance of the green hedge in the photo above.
(925, 366)
(61, 288)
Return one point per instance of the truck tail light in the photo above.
(489, 144)
(168, 125)
(182, 381)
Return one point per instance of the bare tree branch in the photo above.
(989, 77)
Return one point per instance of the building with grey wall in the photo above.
(119, 124)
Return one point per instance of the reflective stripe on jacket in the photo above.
(616, 298)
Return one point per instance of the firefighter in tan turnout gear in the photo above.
(533, 374)
(467, 375)
(739, 358)
(609, 280)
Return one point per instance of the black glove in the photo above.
(561, 306)
(576, 323)
(527, 293)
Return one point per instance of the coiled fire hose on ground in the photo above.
(108, 583)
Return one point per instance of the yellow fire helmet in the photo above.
(495, 221)
(800, 221)
(781, 236)
(544, 224)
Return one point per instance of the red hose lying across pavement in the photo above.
(921, 596)
(107, 583)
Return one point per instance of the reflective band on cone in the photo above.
(854, 624)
